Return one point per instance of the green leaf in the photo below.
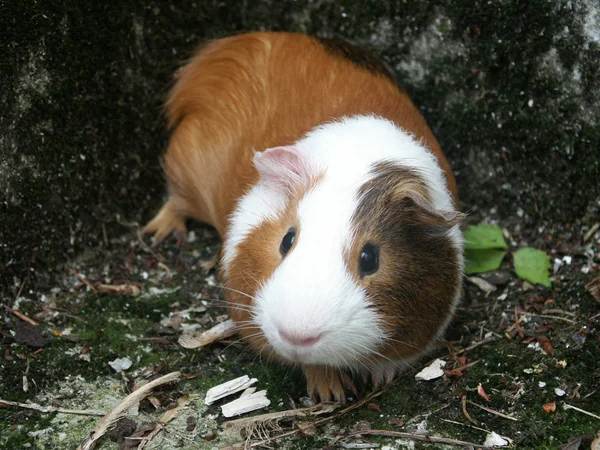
(484, 260)
(532, 265)
(484, 236)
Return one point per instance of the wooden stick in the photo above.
(83, 280)
(22, 316)
(53, 409)
(465, 425)
(412, 436)
(464, 409)
(476, 344)
(547, 316)
(567, 406)
(492, 411)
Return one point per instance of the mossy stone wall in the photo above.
(512, 90)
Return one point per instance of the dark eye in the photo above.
(287, 242)
(368, 263)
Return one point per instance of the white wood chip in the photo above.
(359, 445)
(482, 284)
(120, 364)
(230, 387)
(200, 339)
(248, 392)
(431, 372)
(495, 440)
(246, 404)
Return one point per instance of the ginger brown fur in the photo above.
(256, 91)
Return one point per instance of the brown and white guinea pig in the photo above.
(336, 206)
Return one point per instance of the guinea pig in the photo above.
(342, 252)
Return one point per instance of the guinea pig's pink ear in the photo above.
(426, 214)
(282, 167)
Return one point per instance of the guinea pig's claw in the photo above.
(167, 221)
(348, 384)
(382, 375)
(324, 383)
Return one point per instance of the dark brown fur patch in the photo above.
(418, 278)
(358, 56)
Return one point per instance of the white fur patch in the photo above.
(257, 206)
(311, 293)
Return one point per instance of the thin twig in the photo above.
(518, 323)
(591, 232)
(559, 311)
(20, 289)
(316, 423)
(476, 344)
(464, 409)
(567, 406)
(492, 411)
(412, 436)
(546, 316)
(104, 235)
(53, 409)
(163, 266)
(22, 316)
(464, 425)
(145, 246)
(83, 280)
(311, 411)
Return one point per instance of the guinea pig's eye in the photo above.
(368, 262)
(287, 242)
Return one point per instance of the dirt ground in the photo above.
(549, 361)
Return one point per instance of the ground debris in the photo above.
(197, 339)
(593, 287)
(432, 371)
(495, 440)
(120, 410)
(546, 345)
(130, 290)
(228, 388)
(32, 335)
(246, 404)
(482, 284)
(482, 392)
(120, 364)
(549, 407)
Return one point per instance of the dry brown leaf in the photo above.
(546, 345)
(549, 407)
(482, 392)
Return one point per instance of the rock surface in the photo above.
(511, 90)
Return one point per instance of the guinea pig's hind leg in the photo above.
(324, 383)
(167, 221)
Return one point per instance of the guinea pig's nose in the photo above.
(299, 338)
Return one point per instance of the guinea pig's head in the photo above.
(343, 263)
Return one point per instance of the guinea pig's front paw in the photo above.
(380, 374)
(324, 383)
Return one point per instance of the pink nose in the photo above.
(299, 338)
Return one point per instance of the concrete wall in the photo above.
(512, 90)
